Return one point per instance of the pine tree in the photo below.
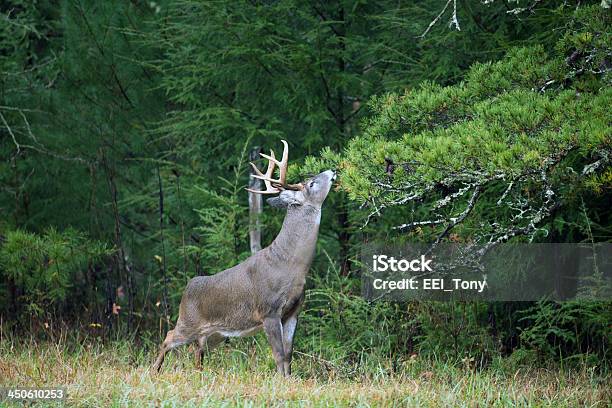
(511, 151)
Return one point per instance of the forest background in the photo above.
(126, 128)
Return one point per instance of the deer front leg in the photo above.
(274, 330)
(289, 326)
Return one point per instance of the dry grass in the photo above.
(117, 375)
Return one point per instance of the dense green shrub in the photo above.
(521, 149)
(577, 329)
(41, 273)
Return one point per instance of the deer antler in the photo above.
(274, 186)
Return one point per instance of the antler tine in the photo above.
(265, 177)
(269, 171)
(282, 167)
(276, 185)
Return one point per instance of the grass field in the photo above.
(241, 374)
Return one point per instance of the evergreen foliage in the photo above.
(42, 274)
(125, 129)
(494, 156)
(521, 147)
(573, 330)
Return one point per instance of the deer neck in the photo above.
(297, 239)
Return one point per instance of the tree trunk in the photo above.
(255, 206)
(162, 263)
(120, 256)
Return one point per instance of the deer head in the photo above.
(311, 192)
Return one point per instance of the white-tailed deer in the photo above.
(265, 291)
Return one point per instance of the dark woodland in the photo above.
(126, 131)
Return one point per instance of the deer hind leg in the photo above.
(173, 340)
(206, 343)
(199, 357)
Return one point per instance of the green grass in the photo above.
(241, 374)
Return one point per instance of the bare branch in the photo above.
(457, 220)
(435, 20)
(10, 131)
(518, 10)
(411, 225)
(38, 147)
(454, 21)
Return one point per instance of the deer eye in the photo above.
(312, 183)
